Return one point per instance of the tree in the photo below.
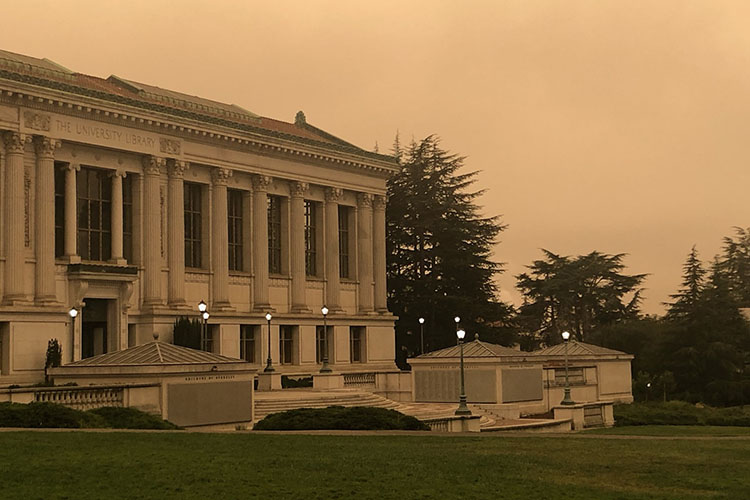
(577, 294)
(688, 299)
(439, 250)
(736, 262)
(53, 357)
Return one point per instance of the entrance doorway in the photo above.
(94, 327)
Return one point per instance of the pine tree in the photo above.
(687, 300)
(736, 261)
(439, 250)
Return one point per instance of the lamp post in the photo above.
(457, 320)
(462, 408)
(73, 313)
(269, 366)
(421, 335)
(204, 341)
(325, 368)
(567, 400)
(203, 312)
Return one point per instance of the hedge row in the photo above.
(50, 415)
(679, 413)
(340, 418)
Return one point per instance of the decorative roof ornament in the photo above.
(299, 119)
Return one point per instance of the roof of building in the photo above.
(48, 74)
(474, 349)
(576, 348)
(155, 353)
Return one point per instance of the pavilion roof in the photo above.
(576, 348)
(155, 353)
(473, 349)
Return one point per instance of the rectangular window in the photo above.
(320, 344)
(356, 343)
(234, 213)
(274, 234)
(248, 342)
(311, 254)
(59, 211)
(343, 242)
(94, 190)
(127, 217)
(286, 345)
(193, 225)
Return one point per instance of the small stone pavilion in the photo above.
(188, 387)
(512, 382)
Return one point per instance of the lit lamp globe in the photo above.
(73, 312)
(324, 310)
(421, 321)
(268, 316)
(456, 319)
(460, 334)
(565, 335)
(202, 306)
(205, 315)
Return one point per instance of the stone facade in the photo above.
(132, 204)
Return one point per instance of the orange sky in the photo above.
(597, 125)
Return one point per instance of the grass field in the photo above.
(166, 465)
(672, 430)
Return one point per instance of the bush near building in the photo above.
(680, 413)
(50, 415)
(359, 418)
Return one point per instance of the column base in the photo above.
(47, 301)
(180, 304)
(72, 259)
(263, 308)
(16, 300)
(301, 309)
(221, 306)
(118, 262)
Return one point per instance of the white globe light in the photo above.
(202, 306)
(421, 321)
(73, 312)
(565, 335)
(324, 310)
(460, 334)
(206, 315)
(268, 316)
(456, 319)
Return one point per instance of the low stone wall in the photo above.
(144, 397)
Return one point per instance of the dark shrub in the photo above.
(292, 383)
(340, 418)
(678, 413)
(49, 415)
(187, 333)
(130, 418)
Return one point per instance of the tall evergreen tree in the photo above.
(440, 248)
(577, 294)
(736, 261)
(687, 301)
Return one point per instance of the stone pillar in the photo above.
(44, 234)
(333, 277)
(260, 242)
(365, 247)
(219, 239)
(152, 166)
(381, 302)
(14, 218)
(297, 238)
(176, 233)
(116, 256)
(71, 213)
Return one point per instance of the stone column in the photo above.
(71, 213)
(219, 239)
(333, 277)
(381, 303)
(297, 238)
(365, 247)
(176, 232)
(44, 234)
(260, 242)
(116, 256)
(14, 217)
(152, 166)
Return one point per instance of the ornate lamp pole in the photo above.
(205, 344)
(462, 408)
(73, 312)
(269, 366)
(421, 335)
(567, 400)
(203, 310)
(325, 368)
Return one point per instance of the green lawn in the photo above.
(673, 430)
(179, 465)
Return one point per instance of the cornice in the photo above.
(29, 91)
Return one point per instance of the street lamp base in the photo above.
(567, 400)
(462, 408)
(268, 368)
(325, 368)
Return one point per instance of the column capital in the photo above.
(15, 143)
(176, 168)
(220, 176)
(261, 182)
(379, 202)
(364, 200)
(152, 165)
(74, 167)
(45, 146)
(334, 194)
(118, 173)
(298, 189)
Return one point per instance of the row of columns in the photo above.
(371, 244)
